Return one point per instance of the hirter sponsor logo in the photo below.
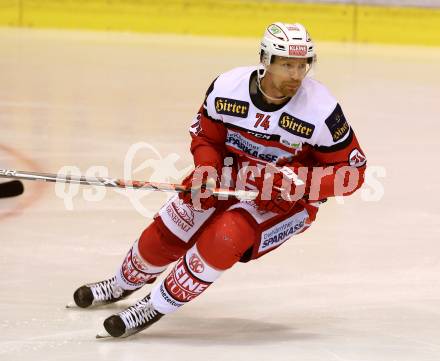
(337, 124)
(296, 126)
(182, 285)
(233, 107)
(196, 264)
(341, 131)
(356, 158)
(297, 50)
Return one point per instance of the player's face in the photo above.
(287, 74)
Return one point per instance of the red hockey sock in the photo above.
(135, 271)
(148, 258)
(217, 248)
(190, 276)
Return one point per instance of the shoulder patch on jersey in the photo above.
(233, 107)
(337, 124)
(296, 126)
(356, 158)
(195, 127)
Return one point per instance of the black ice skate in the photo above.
(132, 320)
(99, 293)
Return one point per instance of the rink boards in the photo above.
(331, 22)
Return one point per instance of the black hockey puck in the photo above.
(11, 189)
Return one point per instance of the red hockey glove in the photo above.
(279, 189)
(200, 184)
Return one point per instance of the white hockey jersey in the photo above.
(310, 128)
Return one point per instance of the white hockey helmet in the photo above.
(287, 40)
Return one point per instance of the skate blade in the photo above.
(102, 335)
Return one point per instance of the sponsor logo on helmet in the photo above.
(297, 50)
(293, 28)
(236, 108)
(274, 29)
(356, 158)
(296, 126)
(277, 32)
(337, 124)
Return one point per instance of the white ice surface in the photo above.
(361, 285)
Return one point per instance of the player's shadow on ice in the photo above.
(229, 331)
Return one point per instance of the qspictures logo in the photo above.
(142, 161)
(233, 107)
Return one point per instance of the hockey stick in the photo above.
(11, 189)
(118, 183)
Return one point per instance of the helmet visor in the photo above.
(290, 67)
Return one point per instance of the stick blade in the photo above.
(11, 189)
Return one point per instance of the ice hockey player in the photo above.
(269, 128)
